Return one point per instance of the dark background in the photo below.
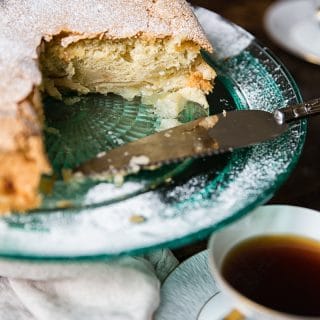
(303, 186)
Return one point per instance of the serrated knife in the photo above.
(202, 137)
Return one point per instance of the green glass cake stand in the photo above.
(173, 205)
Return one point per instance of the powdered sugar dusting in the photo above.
(229, 39)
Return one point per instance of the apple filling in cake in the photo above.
(165, 72)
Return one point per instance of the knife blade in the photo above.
(202, 137)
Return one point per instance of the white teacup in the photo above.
(266, 220)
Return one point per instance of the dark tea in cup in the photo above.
(281, 272)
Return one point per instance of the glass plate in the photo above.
(198, 197)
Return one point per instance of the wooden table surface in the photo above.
(303, 186)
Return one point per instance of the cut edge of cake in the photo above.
(165, 72)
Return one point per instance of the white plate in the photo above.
(190, 293)
(293, 26)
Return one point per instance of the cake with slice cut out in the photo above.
(133, 48)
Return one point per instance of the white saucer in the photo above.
(293, 26)
(190, 293)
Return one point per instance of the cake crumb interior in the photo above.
(165, 72)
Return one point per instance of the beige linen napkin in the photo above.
(125, 289)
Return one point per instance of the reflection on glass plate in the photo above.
(200, 195)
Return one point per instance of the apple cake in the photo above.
(145, 48)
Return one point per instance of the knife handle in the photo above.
(297, 111)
